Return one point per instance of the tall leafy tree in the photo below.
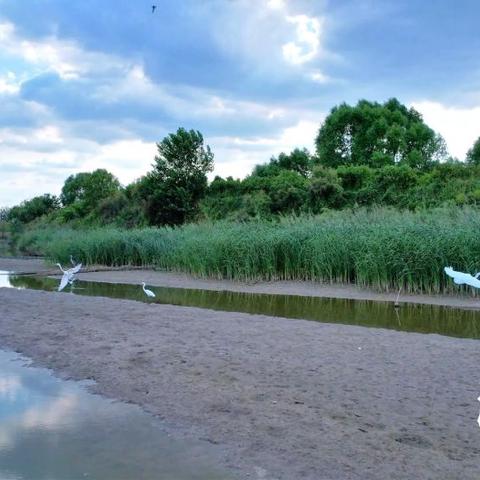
(473, 155)
(179, 178)
(377, 135)
(89, 188)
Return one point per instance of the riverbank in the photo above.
(281, 399)
(180, 280)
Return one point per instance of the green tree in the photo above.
(34, 208)
(377, 135)
(473, 155)
(87, 189)
(298, 160)
(325, 190)
(288, 192)
(179, 178)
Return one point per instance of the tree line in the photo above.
(367, 154)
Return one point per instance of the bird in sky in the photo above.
(154, 7)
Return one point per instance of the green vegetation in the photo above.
(383, 248)
(378, 135)
(473, 155)
(379, 203)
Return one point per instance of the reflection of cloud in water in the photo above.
(46, 416)
(51, 415)
(56, 430)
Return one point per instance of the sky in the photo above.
(89, 84)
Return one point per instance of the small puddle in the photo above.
(410, 317)
(52, 429)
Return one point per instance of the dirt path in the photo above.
(281, 399)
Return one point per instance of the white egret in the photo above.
(461, 278)
(148, 293)
(478, 419)
(68, 275)
(71, 271)
(64, 281)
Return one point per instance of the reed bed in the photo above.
(384, 249)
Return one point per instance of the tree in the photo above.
(288, 192)
(179, 178)
(473, 155)
(325, 190)
(88, 189)
(30, 210)
(298, 160)
(378, 135)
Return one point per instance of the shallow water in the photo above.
(56, 430)
(410, 317)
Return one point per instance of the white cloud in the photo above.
(276, 4)
(65, 58)
(307, 43)
(242, 154)
(460, 127)
(9, 83)
(319, 77)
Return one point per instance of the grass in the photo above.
(383, 248)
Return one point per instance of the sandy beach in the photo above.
(279, 398)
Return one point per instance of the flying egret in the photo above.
(68, 276)
(71, 271)
(149, 293)
(478, 419)
(64, 281)
(461, 278)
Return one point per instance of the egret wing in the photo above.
(450, 272)
(76, 268)
(64, 282)
(474, 282)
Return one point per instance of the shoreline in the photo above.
(279, 399)
(281, 287)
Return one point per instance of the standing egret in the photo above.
(461, 278)
(148, 293)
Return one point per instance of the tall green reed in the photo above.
(383, 248)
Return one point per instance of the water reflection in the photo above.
(55, 430)
(410, 318)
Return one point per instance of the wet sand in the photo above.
(280, 399)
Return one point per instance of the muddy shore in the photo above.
(311, 289)
(280, 399)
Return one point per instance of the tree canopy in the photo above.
(32, 209)
(89, 188)
(377, 135)
(179, 178)
(473, 155)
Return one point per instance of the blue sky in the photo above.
(95, 83)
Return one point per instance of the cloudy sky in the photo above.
(95, 83)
